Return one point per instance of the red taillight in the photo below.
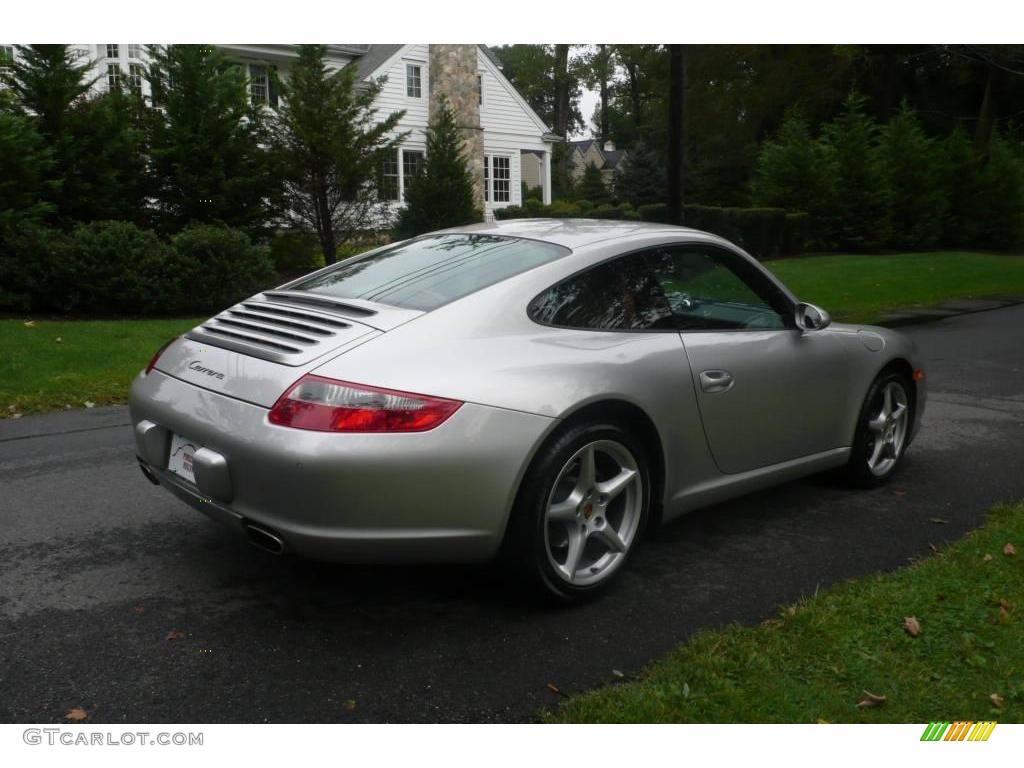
(152, 361)
(328, 405)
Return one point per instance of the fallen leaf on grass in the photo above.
(1009, 549)
(29, 323)
(996, 699)
(89, 404)
(869, 699)
(76, 714)
(348, 705)
(938, 520)
(1004, 606)
(987, 558)
(912, 625)
(58, 339)
(175, 634)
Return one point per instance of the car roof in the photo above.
(571, 233)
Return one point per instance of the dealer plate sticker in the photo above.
(182, 452)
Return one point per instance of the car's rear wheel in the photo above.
(883, 431)
(580, 512)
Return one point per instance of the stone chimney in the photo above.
(454, 73)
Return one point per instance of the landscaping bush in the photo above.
(106, 267)
(656, 212)
(534, 206)
(296, 251)
(27, 255)
(513, 212)
(214, 267)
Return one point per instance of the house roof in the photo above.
(612, 158)
(374, 56)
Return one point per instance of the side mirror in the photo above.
(811, 318)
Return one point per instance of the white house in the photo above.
(508, 126)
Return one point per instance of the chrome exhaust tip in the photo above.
(264, 538)
(150, 475)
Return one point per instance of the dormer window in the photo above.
(413, 81)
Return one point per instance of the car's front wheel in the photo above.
(580, 512)
(883, 431)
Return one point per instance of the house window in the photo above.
(387, 184)
(412, 164)
(134, 51)
(259, 86)
(487, 184)
(113, 50)
(413, 81)
(135, 73)
(113, 76)
(501, 171)
(480, 88)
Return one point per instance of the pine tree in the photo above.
(209, 157)
(330, 144)
(863, 209)
(919, 198)
(641, 180)
(26, 167)
(592, 187)
(441, 194)
(94, 140)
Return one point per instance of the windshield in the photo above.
(432, 271)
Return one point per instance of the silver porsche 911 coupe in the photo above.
(536, 391)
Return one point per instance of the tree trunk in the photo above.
(986, 116)
(603, 68)
(562, 110)
(325, 228)
(676, 107)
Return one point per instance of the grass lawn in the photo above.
(861, 288)
(816, 659)
(50, 364)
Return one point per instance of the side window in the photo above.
(711, 288)
(621, 294)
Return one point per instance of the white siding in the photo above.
(504, 111)
(392, 97)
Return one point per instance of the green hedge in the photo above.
(115, 268)
(296, 252)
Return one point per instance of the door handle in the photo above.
(716, 381)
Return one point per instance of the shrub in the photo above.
(534, 207)
(28, 253)
(591, 186)
(513, 212)
(563, 209)
(795, 234)
(214, 267)
(757, 230)
(106, 267)
(296, 251)
(656, 212)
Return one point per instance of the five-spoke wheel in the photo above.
(883, 430)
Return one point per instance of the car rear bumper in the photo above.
(437, 496)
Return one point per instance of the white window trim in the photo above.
(420, 67)
(401, 168)
(265, 102)
(489, 181)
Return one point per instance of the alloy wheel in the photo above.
(593, 512)
(888, 428)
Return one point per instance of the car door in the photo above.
(767, 392)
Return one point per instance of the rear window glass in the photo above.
(432, 271)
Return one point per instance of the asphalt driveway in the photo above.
(98, 569)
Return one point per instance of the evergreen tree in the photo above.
(95, 141)
(641, 180)
(26, 169)
(862, 210)
(331, 148)
(208, 144)
(918, 195)
(441, 194)
(592, 187)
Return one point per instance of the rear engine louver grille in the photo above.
(277, 331)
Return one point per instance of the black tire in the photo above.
(524, 560)
(857, 472)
